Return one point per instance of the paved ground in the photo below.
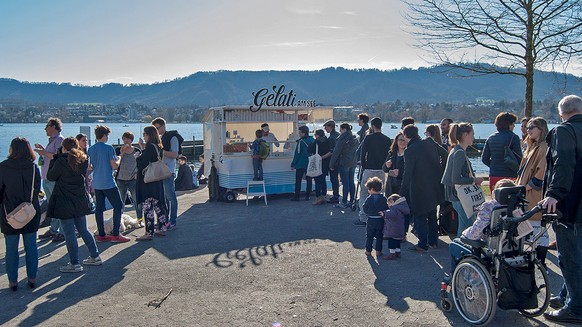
(228, 264)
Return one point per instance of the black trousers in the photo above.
(393, 243)
(374, 229)
(299, 173)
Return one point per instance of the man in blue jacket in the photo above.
(563, 193)
(300, 162)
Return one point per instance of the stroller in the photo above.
(501, 271)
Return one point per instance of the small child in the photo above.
(257, 161)
(475, 231)
(374, 204)
(394, 224)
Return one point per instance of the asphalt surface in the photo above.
(232, 265)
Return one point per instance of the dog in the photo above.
(127, 223)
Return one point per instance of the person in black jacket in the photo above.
(184, 180)
(16, 178)
(70, 202)
(563, 193)
(151, 195)
(394, 167)
(323, 149)
(375, 149)
(420, 182)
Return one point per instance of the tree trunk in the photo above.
(529, 61)
(529, 83)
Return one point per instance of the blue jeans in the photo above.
(334, 179)
(30, 251)
(258, 168)
(464, 221)
(569, 243)
(112, 195)
(171, 198)
(71, 239)
(130, 186)
(348, 184)
(426, 228)
(48, 187)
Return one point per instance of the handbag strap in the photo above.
(31, 189)
(471, 174)
(32, 183)
(157, 152)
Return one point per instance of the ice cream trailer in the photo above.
(229, 132)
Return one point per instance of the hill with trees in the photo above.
(330, 86)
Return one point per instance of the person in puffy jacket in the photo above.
(344, 159)
(394, 224)
(70, 202)
(16, 178)
(494, 150)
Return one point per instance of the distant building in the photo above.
(484, 102)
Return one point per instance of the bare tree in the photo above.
(512, 37)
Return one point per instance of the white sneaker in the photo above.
(90, 261)
(70, 268)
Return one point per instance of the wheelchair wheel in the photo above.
(544, 292)
(446, 305)
(473, 292)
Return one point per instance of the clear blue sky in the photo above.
(144, 41)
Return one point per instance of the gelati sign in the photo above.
(277, 96)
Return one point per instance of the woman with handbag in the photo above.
(458, 171)
(394, 167)
(322, 147)
(70, 202)
(20, 184)
(395, 164)
(502, 150)
(151, 193)
(531, 174)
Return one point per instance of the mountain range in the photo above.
(330, 86)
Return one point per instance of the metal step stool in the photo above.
(253, 190)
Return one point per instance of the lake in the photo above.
(35, 134)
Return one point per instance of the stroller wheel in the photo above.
(446, 305)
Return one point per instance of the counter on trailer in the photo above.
(230, 130)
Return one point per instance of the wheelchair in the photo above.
(501, 271)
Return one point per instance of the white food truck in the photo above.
(230, 130)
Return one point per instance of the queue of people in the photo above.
(547, 163)
(406, 180)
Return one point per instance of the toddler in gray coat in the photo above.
(394, 224)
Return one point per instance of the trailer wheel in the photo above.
(229, 197)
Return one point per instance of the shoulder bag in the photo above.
(314, 168)
(157, 170)
(470, 195)
(23, 214)
(510, 159)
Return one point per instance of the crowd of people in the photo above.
(77, 180)
(405, 182)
